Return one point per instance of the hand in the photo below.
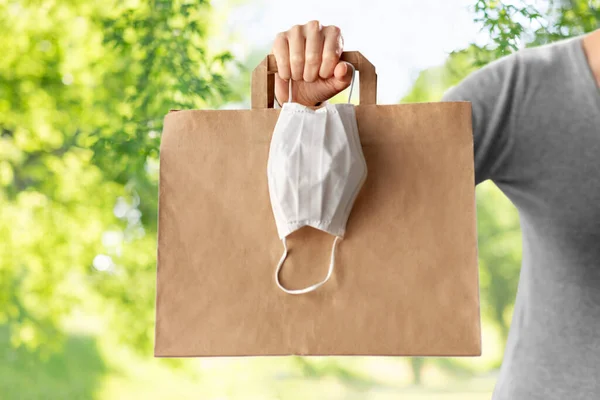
(310, 55)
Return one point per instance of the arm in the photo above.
(496, 97)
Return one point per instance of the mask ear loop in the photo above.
(311, 287)
(290, 99)
(352, 82)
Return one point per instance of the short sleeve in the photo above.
(494, 95)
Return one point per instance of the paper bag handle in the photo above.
(263, 80)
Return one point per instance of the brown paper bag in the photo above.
(406, 277)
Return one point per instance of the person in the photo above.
(536, 128)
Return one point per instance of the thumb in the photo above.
(342, 76)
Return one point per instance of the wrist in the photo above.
(317, 104)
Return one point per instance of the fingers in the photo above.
(307, 52)
(313, 51)
(296, 40)
(333, 44)
(281, 52)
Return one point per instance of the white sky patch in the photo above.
(400, 37)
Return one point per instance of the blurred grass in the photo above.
(75, 373)
(93, 365)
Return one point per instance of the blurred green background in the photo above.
(83, 90)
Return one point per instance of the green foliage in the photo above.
(83, 90)
(510, 24)
(431, 83)
(505, 24)
(158, 62)
(567, 18)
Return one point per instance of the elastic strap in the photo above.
(351, 82)
(311, 287)
(290, 100)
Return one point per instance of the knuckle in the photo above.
(282, 65)
(309, 77)
(296, 29)
(334, 30)
(313, 58)
(296, 59)
(281, 36)
(330, 58)
(278, 44)
(313, 25)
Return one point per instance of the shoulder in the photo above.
(548, 55)
(520, 70)
(485, 81)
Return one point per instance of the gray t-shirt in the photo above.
(536, 123)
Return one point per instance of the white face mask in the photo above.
(315, 169)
